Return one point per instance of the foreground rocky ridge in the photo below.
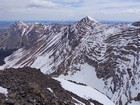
(110, 51)
(28, 86)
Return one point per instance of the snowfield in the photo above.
(85, 75)
(85, 92)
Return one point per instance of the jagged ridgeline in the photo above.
(102, 56)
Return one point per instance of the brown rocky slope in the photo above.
(28, 86)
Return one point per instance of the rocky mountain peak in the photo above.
(20, 24)
(89, 19)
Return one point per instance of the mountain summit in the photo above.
(89, 19)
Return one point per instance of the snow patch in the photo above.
(79, 103)
(3, 90)
(134, 103)
(87, 75)
(85, 92)
(50, 90)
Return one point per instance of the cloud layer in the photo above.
(70, 9)
(54, 3)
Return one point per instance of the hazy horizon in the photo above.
(65, 20)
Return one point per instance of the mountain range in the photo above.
(104, 57)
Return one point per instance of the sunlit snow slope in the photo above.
(85, 92)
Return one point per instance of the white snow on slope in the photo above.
(85, 92)
(79, 102)
(50, 90)
(87, 75)
(134, 103)
(92, 19)
(3, 90)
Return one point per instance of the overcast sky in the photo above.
(123, 10)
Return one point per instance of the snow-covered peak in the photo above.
(91, 18)
(20, 23)
(88, 21)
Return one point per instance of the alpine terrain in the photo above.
(88, 63)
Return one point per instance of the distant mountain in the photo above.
(9, 23)
(102, 56)
(136, 23)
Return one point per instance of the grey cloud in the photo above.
(55, 3)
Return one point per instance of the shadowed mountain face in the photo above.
(5, 53)
(111, 52)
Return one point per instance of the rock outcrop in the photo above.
(28, 86)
